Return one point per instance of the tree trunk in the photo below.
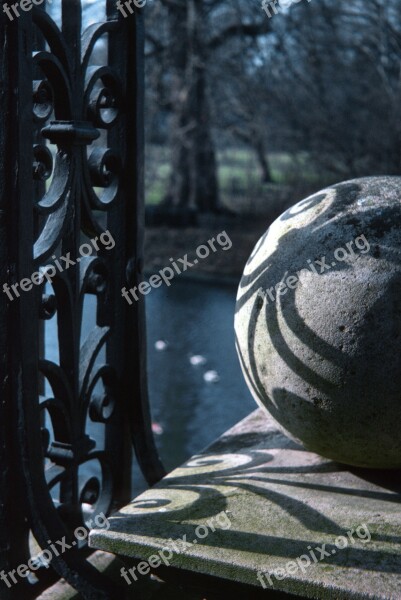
(255, 141)
(193, 182)
(263, 162)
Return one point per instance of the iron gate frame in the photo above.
(35, 223)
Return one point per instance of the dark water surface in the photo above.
(188, 412)
(194, 319)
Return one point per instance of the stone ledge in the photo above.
(280, 500)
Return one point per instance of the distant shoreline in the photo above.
(199, 276)
(162, 243)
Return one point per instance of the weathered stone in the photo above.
(322, 351)
(282, 503)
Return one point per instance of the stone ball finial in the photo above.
(318, 322)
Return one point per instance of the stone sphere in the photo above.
(318, 322)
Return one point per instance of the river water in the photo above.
(194, 319)
(186, 320)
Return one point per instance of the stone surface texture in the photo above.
(281, 502)
(321, 352)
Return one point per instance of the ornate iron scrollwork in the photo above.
(78, 152)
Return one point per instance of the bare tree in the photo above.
(241, 98)
(320, 81)
(335, 85)
(195, 31)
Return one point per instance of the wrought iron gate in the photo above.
(71, 169)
